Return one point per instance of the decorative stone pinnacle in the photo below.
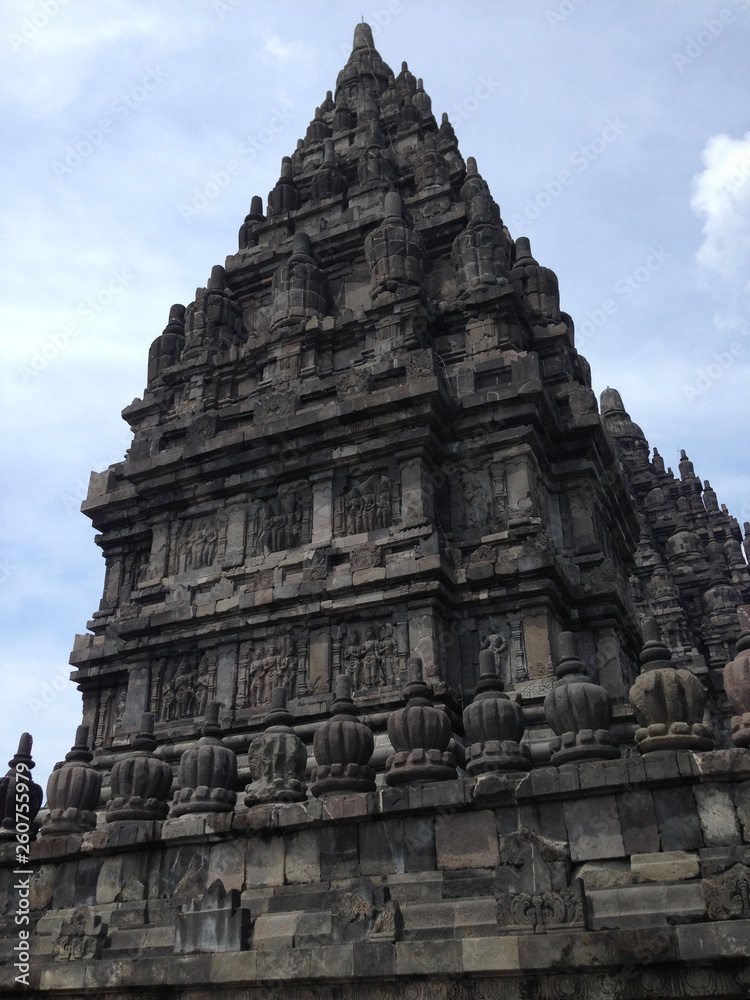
(279, 714)
(211, 725)
(23, 754)
(363, 37)
(654, 654)
(392, 207)
(80, 749)
(569, 662)
(488, 679)
(144, 740)
(523, 251)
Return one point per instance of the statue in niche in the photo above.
(255, 674)
(476, 504)
(202, 684)
(498, 644)
(371, 658)
(183, 688)
(353, 660)
(198, 545)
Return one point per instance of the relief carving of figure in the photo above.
(255, 672)
(476, 503)
(353, 660)
(283, 522)
(367, 506)
(371, 658)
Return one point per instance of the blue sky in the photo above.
(615, 135)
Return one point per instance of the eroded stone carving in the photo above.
(279, 661)
(541, 912)
(20, 797)
(277, 758)
(371, 658)
(82, 937)
(728, 897)
(140, 782)
(182, 685)
(282, 522)
(370, 504)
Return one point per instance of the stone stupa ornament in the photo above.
(140, 781)
(737, 687)
(20, 797)
(343, 747)
(73, 790)
(420, 734)
(277, 758)
(208, 771)
(494, 725)
(578, 710)
(669, 702)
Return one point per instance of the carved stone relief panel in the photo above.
(479, 498)
(182, 685)
(272, 661)
(370, 503)
(282, 522)
(197, 543)
(373, 654)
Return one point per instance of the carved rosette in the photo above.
(14, 789)
(277, 758)
(343, 747)
(207, 773)
(737, 687)
(669, 703)
(494, 725)
(420, 734)
(73, 790)
(141, 781)
(578, 711)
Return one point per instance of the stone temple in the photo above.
(416, 673)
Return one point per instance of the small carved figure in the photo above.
(371, 658)
(353, 659)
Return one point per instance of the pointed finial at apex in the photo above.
(363, 37)
(523, 251)
(611, 402)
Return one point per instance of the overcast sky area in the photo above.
(615, 134)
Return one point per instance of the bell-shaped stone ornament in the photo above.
(578, 711)
(343, 747)
(299, 290)
(73, 790)
(207, 773)
(140, 781)
(395, 251)
(419, 734)
(277, 758)
(20, 797)
(669, 703)
(494, 725)
(737, 687)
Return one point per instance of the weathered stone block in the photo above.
(490, 954)
(604, 874)
(422, 958)
(666, 866)
(676, 815)
(419, 843)
(226, 862)
(594, 828)
(717, 815)
(466, 840)
(333, 962)
(640, 831)
(302, 861)
(724, 941)
(339, 851)
(265, 861)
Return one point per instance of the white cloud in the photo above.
(721, 193)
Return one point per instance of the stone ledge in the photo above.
(666, 866)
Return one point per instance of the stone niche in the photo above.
(269, 661)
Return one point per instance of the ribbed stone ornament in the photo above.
(277, 758)
(343, 747)
(420, 734)
(669, 703)
(140, 782)
(578, 711)
(20, 797)
(73, 790)
(395, 252)
(207, 773)
(494, 725)
(737, 687)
